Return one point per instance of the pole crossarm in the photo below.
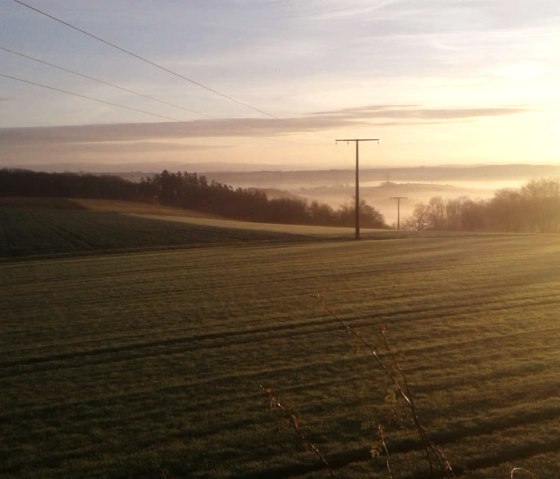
(357, 206)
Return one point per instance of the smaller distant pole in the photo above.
(398, 198)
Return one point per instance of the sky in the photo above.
(275, 82)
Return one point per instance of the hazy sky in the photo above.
(439, 81)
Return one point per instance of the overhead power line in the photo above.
(139, 57)
(103, 82)
(126, 89)
(88, 97)
(98, 100)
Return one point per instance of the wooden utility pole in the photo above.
(357, 208)
(398, 198)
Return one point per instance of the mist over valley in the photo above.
(379, 186)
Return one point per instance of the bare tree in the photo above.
(419, 220)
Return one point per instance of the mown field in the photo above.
(147, 364)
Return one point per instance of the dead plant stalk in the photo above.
(400, 384)
(287, 415)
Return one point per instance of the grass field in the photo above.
(32, 226)
(147, 364)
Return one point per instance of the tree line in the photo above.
(18, 182)
(532, 208)
(193, 191)
(186, 190)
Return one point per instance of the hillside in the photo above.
(188, 191)
(46, 226)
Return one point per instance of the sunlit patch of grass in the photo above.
(137, 208)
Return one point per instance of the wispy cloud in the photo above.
(336, 10)
(142, 136)
(407, 112)
(116, 147)
(170, 130)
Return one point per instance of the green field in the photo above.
(147, 364)
(57, 226)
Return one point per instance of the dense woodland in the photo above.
(533, 208)
(18, 182)
(186, 190)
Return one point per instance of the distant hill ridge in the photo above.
(416, 174)
(222, 171)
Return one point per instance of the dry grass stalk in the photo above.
(515, 470)
(395, 374)
(383, 443)
(287, 415)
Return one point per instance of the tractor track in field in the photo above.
(188, 343)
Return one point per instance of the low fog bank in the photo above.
(379, 187)
(383, 196)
